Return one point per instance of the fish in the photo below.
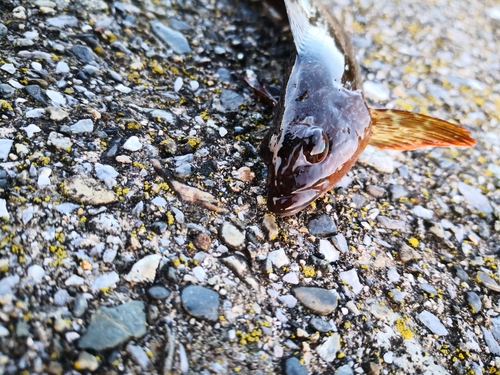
(322, 123)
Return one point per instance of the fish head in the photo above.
(297, 161)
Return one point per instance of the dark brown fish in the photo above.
(322, 122)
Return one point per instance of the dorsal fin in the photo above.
(300, 24)
(401, 130)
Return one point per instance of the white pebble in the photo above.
(351, 278)
(222, 131)
(36, 273)
(123, 89)
(199, 273)
(329, 251)
(194, 85)
(178, 84)
(393, 275)
(9, 68)
(31, 129)
(133, 144)
(4, 213)
(36, 65)
(56, 97)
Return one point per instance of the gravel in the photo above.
(111, 263)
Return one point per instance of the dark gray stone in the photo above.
(293, 367)
(320, 325)
(3, 30)
(36, 93)
(322, 227)
(112, 326)
(83, 53)
(201, 302)
(173, 38)
(158, 292)
(231, 101)
(397, 191)
(7, 91)
(319, 300)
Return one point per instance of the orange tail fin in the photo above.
(401, 130)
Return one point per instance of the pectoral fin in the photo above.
(401, 130)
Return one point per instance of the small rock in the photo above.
(475, 198)
(278, 258)
(88, 191)
(488, 281)
(392, 224)
(86, 361)
(139, 356)
(377, 159)
(61, 297)
(4, 213)
(397, 295)
(270, 226)
(83, 53)
(344, 370)
(351, 278)
(491, 342)
(397, 192)
(59, 141)
(173, 38)
(62, 67)
(82, 126)
(232, 236)
(474, 302)
(328, 350)
(6, 91)
(80, 305)
(330, 253)
(320, 325)
(231, 101)
(36, 273)
(132, 144)
(104, 171)
(320, 301)
(62, 21)
(429, 289)
(293, 367)
(340, 243)
(56, 97)
(393, 275)
(104, 281)
(36, 93)
(239, 266)
(432, 323)
(322, 227)
(375, 191)
(202, 241)
(406, 253)
(112, 326)
(178, 84)
(158, 292)
(144, 270)
(291, 278)
(422, 212)
(201, 302)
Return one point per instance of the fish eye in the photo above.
(318, 148)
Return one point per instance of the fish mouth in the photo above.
(286, 205)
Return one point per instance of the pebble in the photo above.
(232, 236)
(82, 126)
(57, 114)
(9, 68)
(144, 270)
(429, 289)
(3, 30)
(61, 297)
(288, 300)
(422, 212)
(202, 241)
(36, 93)
(201, 302)
(163, 115)
(375, 191)
(22, 329)
(4, 332)
(158, 292)
(62, 67)
(340, 243)
(294, 367)
(378, 159)
(474, 302)
(173, 38)
(132, 144)
(328, 350)
(397, 191)
(104, 171)
(61, 21)
(80, 305)
(397, 295)
(351, 278)
(495, 327)
(375, 91)
(87, 190)
(7, 91)
(392, 224)
(406, 253)
(4, 213)
(432, 323)
(238, 264)
(178, 84)
(491, 342)
(83, 53)
(344, 370)
(231, 100)
(56, 97)
(460, 273)
(393, 275)
(318, 300)
(291, 278)
(36, 273)
(475, 198)
(194, 85)
(488, 281)
(62, 325)
(139, 355)
(123, 89)
(330, 253)
(322, 227)
(112, 326)
(19, 13)
(320, 325)
(86, 361)
(104, 281)
(278, 258)
(59, 141)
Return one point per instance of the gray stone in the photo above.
(112, 326)
(173, 38)
(322, 227)
(320, 301)
(82, 126)
(432, 323)
(475, 198)
(375, 191)
(397, 191)
(329, 349)
(139, 356)
(232, 236)
(488, 281)
(80, 305)
(61, 297)
(61, 21)
(293, 367)
(495, 327)
(344, 370)
(320, 325)
(428, 288)
(491, 342)
(22, 329)
(87, 361)
(83, 53)
(474, 302)
(3, 30)
(7, 91)
(231, 101)
(5, 146)
(201, 302)
(36, 93)
(391, 223)
(158, 292)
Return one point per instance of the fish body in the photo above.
(322, 122)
